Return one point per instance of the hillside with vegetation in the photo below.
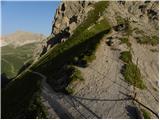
(15, 53)
(99, 62)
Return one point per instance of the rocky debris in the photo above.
(138, 14)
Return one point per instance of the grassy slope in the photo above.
(17, 98)
(13, 58)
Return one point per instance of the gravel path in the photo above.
(148, 63)
(103, 94)
(104, 90)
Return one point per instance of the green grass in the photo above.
(146, 114)
(69, 90)
(15, 57)
(74, 75)
(131, 72)
(54, 59)
(128, 29)
(37, 109)
(144, 39)
(19, 99)
(133, 76)
(126, 56)
(125, 40)
(120, 20)
(65, 78)
(75, 45)
(88, 53)
(92, 17)
(83, 43)
(19, 96)
(152, 40)
(7, 69)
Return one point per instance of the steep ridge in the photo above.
(89, 63)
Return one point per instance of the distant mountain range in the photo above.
(20, 38)
(100, 61)
(16, 49)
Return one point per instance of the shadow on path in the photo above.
(95, 99)
(88, 109)
(58, 108)
(133, 112)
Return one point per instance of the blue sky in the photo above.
(31, 16)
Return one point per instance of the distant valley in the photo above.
(17, 49)
(100, 61)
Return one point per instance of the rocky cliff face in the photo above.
(110, 64)
(141, 15)
(68, 16)
(71, 13)
(136, 22)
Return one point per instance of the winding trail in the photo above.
(58, 110)
(103, 94)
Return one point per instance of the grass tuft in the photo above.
(131, 72)
(74, 74)
(132, 75)
(120, 20)
(153, 40)
(126, 56)
(125, 40)
(146, 114)
(20, 98)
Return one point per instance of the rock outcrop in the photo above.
(70, 14)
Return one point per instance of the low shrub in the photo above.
(74, 74)
(133, 76)
(20, 98)
(120, 20)
(153, 40)
(125, 40)
(146, 114)
(131, 72)
(126, 56)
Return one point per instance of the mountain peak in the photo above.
(19, 38)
